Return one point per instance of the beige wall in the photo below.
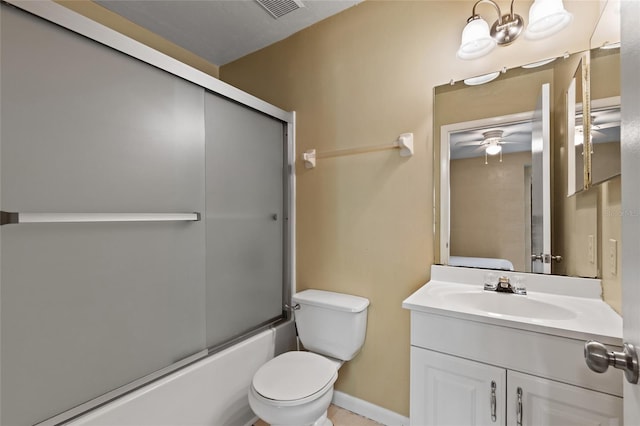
(365, 227)
(488, 208)
(611, 229)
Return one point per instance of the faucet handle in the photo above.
(518, 285)
(490, 281)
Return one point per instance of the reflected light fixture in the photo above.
(493, 148)
(492, 144)
(546, 17)
(613, 45)
(578, 138)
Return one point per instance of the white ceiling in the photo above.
(221, 31)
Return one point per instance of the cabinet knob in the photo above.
(599, 358)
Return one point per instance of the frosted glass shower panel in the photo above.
(244, 220)
(89, 307)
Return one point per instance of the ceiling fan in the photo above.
(492, 141)
(605, 125)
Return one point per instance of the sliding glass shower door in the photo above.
(244, 218)
(91, 307)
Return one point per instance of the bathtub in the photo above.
(212, 391)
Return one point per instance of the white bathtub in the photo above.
(210, 392)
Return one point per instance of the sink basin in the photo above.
(560, 306)
(499, 304)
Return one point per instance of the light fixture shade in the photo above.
(476, 41)
(546, 17)
(493, 149)
(481, 79)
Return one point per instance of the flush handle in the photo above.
(599, 358)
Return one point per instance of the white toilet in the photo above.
(296, 388)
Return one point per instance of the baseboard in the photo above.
(369, 410)
(252, 422)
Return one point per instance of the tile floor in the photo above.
(341, 417)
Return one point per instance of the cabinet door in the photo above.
(447, 390)
(533, 401)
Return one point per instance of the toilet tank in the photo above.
(331, 324)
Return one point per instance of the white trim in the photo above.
(369, 410)
(291, 164)
(571, 138)
(445, 131)
(252, 422)
(84, 26)
(546, 173)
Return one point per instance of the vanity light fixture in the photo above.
(538, 63)
(546, 17)
(608, 45)
(481, 79)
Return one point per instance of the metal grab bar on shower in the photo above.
(14, 218)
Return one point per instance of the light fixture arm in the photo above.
(507, 28)
(474, 15)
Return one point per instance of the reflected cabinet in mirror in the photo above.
(593, 126)
(504, 168)
(604, 115)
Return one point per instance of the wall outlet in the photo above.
(613, 256)
(591, 256)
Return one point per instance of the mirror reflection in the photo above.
(489, 178)
(605, 114)
(577, 179)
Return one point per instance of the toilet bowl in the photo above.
(296, 388)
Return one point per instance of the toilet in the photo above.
(296, 388)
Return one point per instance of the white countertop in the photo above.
(582, 314)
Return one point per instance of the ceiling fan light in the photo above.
(546, 17)
(476, 40)
(493, 149)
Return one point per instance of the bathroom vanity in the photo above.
(485, 358)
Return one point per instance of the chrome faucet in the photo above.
(504, 286)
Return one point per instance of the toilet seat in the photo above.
(294, 377)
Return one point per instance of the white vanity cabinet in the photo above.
(547, 402)
(509, 360)
(449, 390)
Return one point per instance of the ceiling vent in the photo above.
(279, 8)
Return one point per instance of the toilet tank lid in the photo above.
(331, 300)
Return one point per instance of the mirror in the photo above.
(490, 151)
(486, 216)
(577, 140)
(594, 125)
(605, 114)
